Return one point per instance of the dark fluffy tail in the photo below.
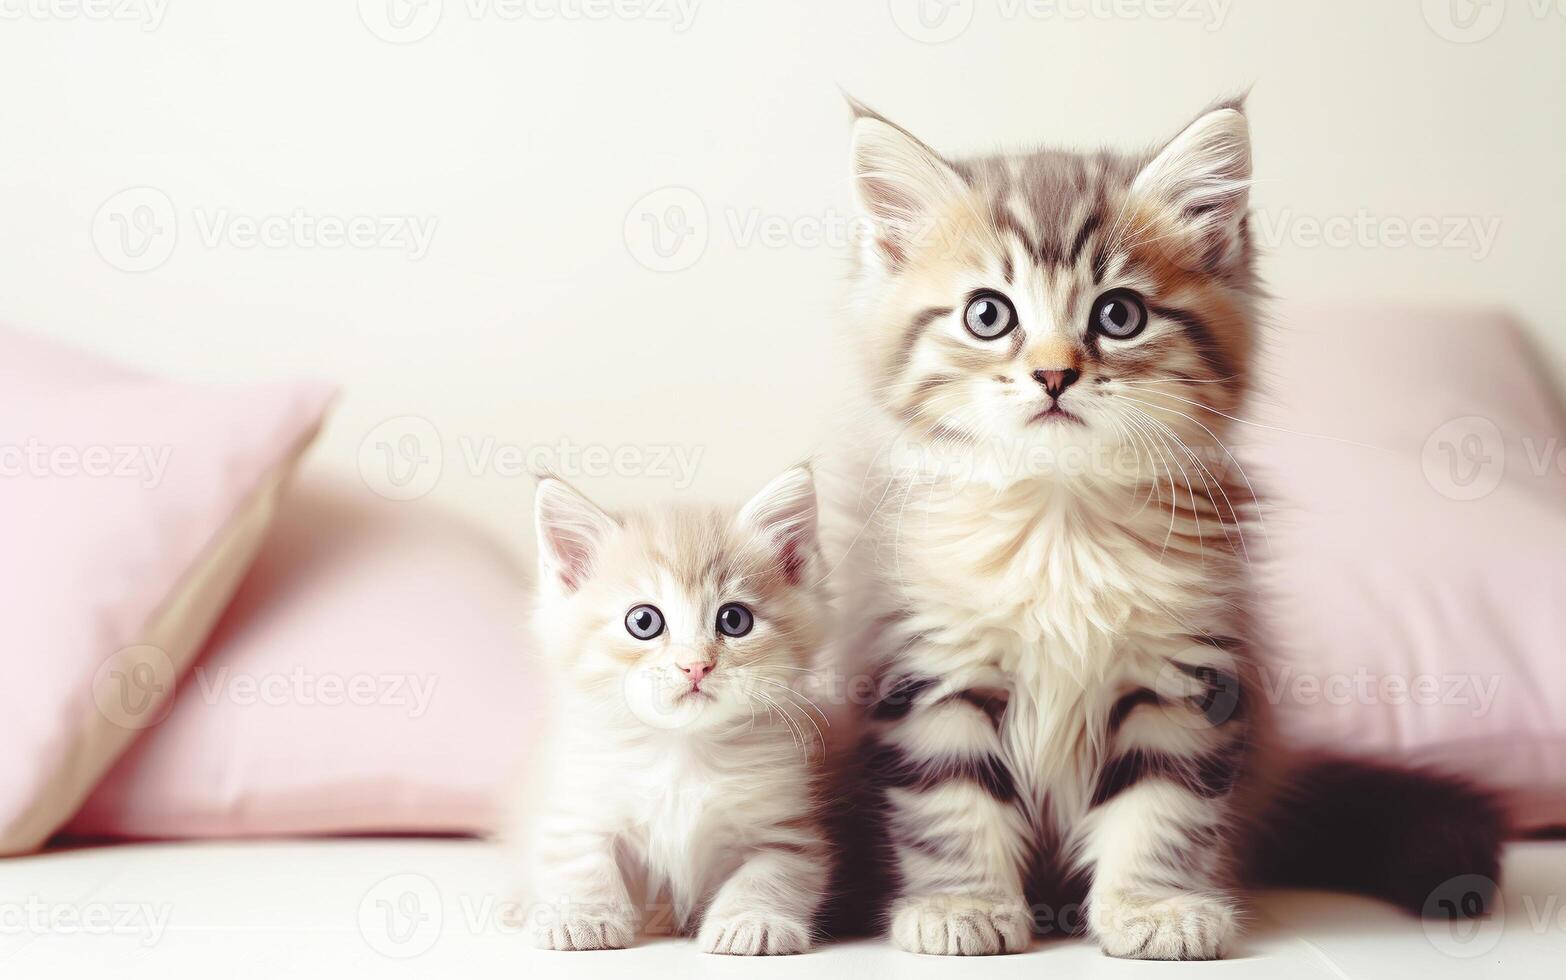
(863, 873)
(1426, 842)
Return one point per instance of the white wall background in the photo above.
(531, 132)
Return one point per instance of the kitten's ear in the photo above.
(784, 513)
(571, 531)
(899, 182)
(1202, 178)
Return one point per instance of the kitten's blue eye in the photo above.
(735, 620)
(1119, 313)
(989, 316)
(644, 622)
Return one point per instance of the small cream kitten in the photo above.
(677, 775)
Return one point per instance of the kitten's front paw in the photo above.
(578, 928)
(1174, 927)
(753, 934)
(961, 925)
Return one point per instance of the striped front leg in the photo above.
(1158, 835)
(959, 840)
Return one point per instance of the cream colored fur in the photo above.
(656, 807)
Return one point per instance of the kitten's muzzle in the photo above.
(1056, 382)
(695, 670)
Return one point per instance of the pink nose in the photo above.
(696, 671)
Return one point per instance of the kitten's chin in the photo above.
(668, 707)
(1055, 415)
(1056, 450)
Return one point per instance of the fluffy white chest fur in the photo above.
(680, 811)
(682, 827)
(1062, 597)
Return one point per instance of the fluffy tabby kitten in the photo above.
(1049, 554)
(678, 771)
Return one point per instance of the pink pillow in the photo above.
(1417, 582)
(129, 509)
(371, 675)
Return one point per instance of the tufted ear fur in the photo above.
(784, 513)
(1201, 180)
(571, 531)
(899, 182)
